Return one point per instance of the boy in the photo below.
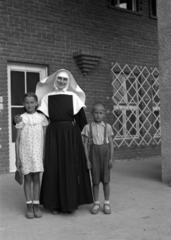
(98, 135)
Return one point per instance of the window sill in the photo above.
(153, 17)
(127, 137)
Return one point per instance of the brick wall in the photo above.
(48, 32)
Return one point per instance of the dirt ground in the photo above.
(141, 209)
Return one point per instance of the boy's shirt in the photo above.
(98, 132)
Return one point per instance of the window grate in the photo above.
(136, 105)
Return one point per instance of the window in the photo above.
(136, 105)
(131, 5)
(156, 124)
(156, 108)
(126, 106)
(153, 8)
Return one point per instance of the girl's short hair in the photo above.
(30, 94)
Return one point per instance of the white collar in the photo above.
(101, 124)
(60, 90)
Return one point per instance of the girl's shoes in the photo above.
(37, 211)
(107, 208)
(32, 211)
(29, 211)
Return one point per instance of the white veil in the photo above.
(46, 86)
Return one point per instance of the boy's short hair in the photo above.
(98, 104)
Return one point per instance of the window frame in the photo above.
(156, 104)
(151, 10)
(137, 4)
(125, 106)
(123, 110)
(158, 133)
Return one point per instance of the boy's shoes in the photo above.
(37, 211)
(29, 211)
(95, 209)
(107, 208)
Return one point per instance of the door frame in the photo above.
(43, 70)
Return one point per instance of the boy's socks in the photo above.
(96, 206)
(107, 204)
(36, 202)
(28, 202)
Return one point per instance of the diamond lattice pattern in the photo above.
(136, 105)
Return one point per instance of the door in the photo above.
(21, 79)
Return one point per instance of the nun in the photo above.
(65, 182)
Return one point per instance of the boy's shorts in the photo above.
(99, 157)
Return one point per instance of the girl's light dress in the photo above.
(31, 142)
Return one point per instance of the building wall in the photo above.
(164, 30)
(47, 32)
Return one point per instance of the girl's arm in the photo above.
(85, 143)
(111, 152)
(17, 144)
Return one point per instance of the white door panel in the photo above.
(21, 79)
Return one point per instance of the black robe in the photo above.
(65, 183)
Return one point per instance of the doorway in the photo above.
(21, 79)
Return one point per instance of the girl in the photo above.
(29, 151)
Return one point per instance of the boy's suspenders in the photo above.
(91, 135)
(105, 135)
